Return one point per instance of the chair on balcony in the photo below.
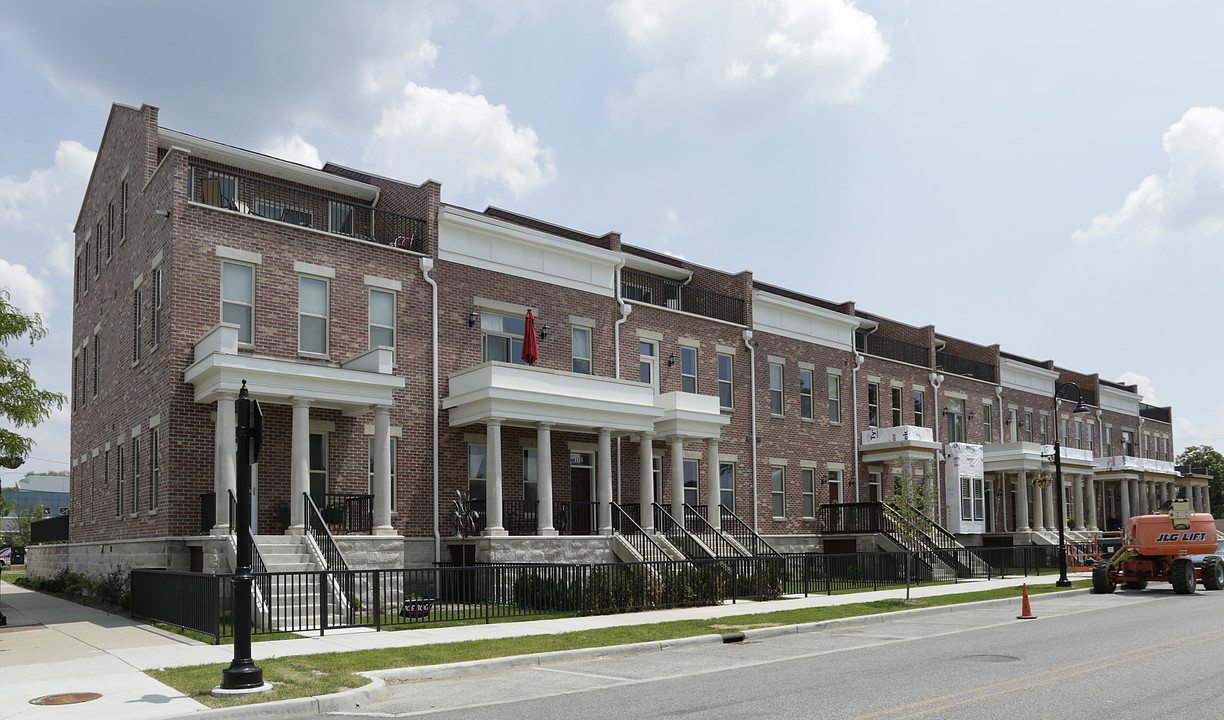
(215, 197)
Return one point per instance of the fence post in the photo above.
(377, 601)
(585, 598)
(324, 579)
(828, 583)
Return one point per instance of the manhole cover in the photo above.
(65, 699)
(990, 658)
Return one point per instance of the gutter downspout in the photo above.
(426, 266)
(752, 369)
(858, 363)
(625, 309)
(936, 381)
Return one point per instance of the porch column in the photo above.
(1038, 506)
(1077, 501)
(544, 488)
(1194, 498)
(299, 465)
(713, 489)
(493, 483)
(1132, 488)
(1206, 495)
(677, 477)
(225, 458)
(1092, 504)
(1022, 495)
(382, 471)
(1124, 498)
(604, 480)
(1049, 514)
(646, 489)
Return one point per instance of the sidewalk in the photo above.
(53, 646)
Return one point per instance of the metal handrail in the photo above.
(677, 535)
(633, 533)
(356, 511)
(744, 534)
(317, 527)
(708, 534)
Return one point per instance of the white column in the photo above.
(299, 465)
(1206, 491)
(1038, 507)
(1049, 512)
(493, 482)
(1194, 498)
(604, 480)
(1132, 488)
(677, 477)
(1077, 501)
(225, 456)
(1092, 504)
(1022, 495)
(1124, 498)
(544, 480)
(382, 471)
(646, 489)
(713, 490)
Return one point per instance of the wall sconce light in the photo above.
(971, 415)
(163, 213)
(671, 359)
(472, 318)
(544, 332)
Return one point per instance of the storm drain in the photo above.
(65, 699)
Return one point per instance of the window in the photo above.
(531, 478)
(1147, 445)
(98, 251)
(84, 373)
(382, 319)
(808, 480)
(805, 394)
(897, 419)
(106, 469)
(76, 396)
(477, 455)
(1045, 434)
(777, 478)
(341, 218)
(987, 427)
(656, 474)
(1079, 433)
(502, 337)
(1108, 440)
(919, 402)
(157, 306)
(317, 457)
(312, 315)
(688, 369)
(648, 362)
(726, 485)
(85, 274)
(690, 482)
(110, 228)
(1159, 447)
(135, 475)
(724, 382)
(956, 419)
(973, 502)
(238, 299)
(874, 482)
(775, 389)
(835, 486)
(1028, 427)
(119, 481)
(1091, 432)
(1065, 435)
(580, 344)
(394, 484)
(873, 404)
(137, 324)
(154, 467)
(96, 354)
(1128, 443)
(123, 215)
(76, 284)
(835, 398)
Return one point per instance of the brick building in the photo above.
(381, 330)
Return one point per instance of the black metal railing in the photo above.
(1151, 412)
(519, 517)
(318, 528)
(188, 600)
(893, 349)
(681, 539)
(744, 534)
(849, 518)
(632, 532)
(652, 289)
(695, 522)
(968, 367)
(349, 514)
(233, 190)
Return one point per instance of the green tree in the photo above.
(1207, 457)
(22, 404)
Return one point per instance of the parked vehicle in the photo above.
(12, 556)
(1161, 548)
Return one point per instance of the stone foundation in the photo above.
(98, 559)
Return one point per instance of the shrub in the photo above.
(540, 593)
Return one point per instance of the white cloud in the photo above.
(294, 148)
(711, 61)
(37, 213)
(1144, 385)
(1186, 203)
(26, 292)
(459, 139)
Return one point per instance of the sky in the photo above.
(1044, 175)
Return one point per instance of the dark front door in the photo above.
(582, 482)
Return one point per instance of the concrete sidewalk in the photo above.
(53, 646)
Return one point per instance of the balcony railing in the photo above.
(893, 349)
(233, 190)
(1151, 412)
(958, 365)
(655, 290)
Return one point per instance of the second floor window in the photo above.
(1028, 427)
(805, 394)
(238, 299)
(502, 337)
(1128, 443)
(688, 369)
(648, 361)
(724, 381)
(919, 403)
(580, 338)
(312, 315)
(137, 323)
(835, 398)
(382, 319)
(956, 420)
(775, 389)
(987, 428)
(873, 405)
(897, 419)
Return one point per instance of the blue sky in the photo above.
(1045, 175)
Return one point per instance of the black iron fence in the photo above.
(317, 601)
(893, 349)
(968, 367)
(652, 289)
(521, 517)
(348, 514)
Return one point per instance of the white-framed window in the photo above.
(502, 337)
(805, 394)
(726, 485)
(1091, 439)
(835, 486)
(1045, 430)
(580, 350)
(777, 481)
(987, 425)
(648, 362)
(157, 306)
(873, 404)
(382, 318)
(531, 478)
(1128, 443)
(341, 218)
(477, 471)
(119, 480)
(808, 482)
(875, 480)
(1108, 440)
(725, 397)
(1079, 434)
(834, 398)
(919, 408)
(96, 363)
(1147, 445)
(154, 467)
(897, 413)
(238, 299)
(1066, 435)
(135, 474)
(137, 323)
(956, 419)
(1028, 427)
(312, 314)
(775, 389)
(656, 475)
(394, 479)
(688, 369)
(110, 229)
(690, 482)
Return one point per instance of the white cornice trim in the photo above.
(482, 223)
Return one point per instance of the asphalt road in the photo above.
(1137, 654)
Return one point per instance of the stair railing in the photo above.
(745, 535)
(632, 532)
(675, 533)
(708, 534)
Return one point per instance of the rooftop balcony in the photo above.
(654, 290)
(1135, 464)
(958, 365)
(249, 194)
(892, 348)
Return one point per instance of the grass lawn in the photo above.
(309, 675)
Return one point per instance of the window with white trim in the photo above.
(531, 479)
(835, 486)
(502, 337)
(897, 413)
(580, 350)
(808, 481)
(805, 394)
(1028, 427)
(688, 369)
(154, 467)
(955, 410)
(1079, 433)
(777, 480)
(238, 299)
(873, 404)
(775, 389)
(726, 485)
(725, 397)
(919, 408)
(312, 314)
(382, 318)
(987, 425)
(477, 472)
(834, 398)
(690, 482)
(648, 362)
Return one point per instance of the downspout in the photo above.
(858, 363)
(936, 381)
(625, 309)
(752, 386)
(426, 266)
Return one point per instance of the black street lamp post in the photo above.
(1080, 407)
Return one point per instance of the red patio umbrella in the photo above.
(531, 349)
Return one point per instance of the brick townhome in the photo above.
(381, 331)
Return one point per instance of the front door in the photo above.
(582, 493)
(990, 508)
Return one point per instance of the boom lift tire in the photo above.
(1102, 584)
(1213, 574)
(1181, 575)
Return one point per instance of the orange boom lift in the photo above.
(1156, 548)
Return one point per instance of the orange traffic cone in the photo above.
(1025, 612)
